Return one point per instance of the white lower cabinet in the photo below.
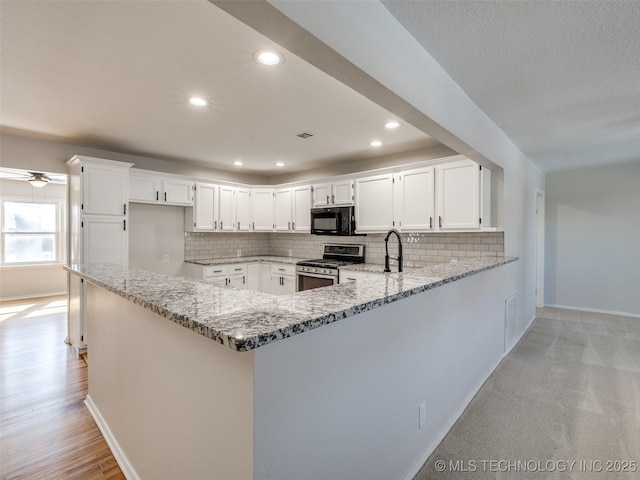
(227, 275)
(274, 278)
(283, 279)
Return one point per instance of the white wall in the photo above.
(50, 156)
(592, 238)
(155, 231)
(348, 408)
(32, 281)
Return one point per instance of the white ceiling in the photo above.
(561, 78)
(117, 75)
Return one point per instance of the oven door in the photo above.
(307, 281)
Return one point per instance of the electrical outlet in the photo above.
(239, 253)
(165, 258)
(290, 253)
(423, 414)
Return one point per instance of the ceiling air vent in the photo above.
(305, 135)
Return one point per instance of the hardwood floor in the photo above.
(46, 432)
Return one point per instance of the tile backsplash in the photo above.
(418, 248)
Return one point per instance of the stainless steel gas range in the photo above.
(324, 272)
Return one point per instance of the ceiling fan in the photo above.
(37, 179)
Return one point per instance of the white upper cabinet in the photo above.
(301, 217)
(205, 209)
(283, 209)
(262, 203)
(227, 209)
(293, 209)
(144, 188)
(243, 210)
(104, 188)
(151, 187)
(333, 194)
(414, 200)
(458, 195)
(177, 192)
(374, 203)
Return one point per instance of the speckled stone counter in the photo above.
(244, 320)
(253, 259)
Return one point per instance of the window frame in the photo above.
(60, 232)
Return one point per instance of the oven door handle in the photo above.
(318, 275)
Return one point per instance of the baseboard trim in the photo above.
(417, 466)
(28, 297)
(594, 310)
(448, 426)
(123, 462)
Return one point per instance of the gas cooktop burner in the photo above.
(336, 255)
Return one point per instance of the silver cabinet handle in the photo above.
(440, 221)
(243, 280)
(333, 199)
(288, 225)
(215, 225)
(254, 226)
(238, 225)
(430, 222)
(221, 227)
(281, 270)
(125, 226)
(157, 195)
(217, 271)
(125, 209)
(327, 199)
(165, 196)
(293, 225)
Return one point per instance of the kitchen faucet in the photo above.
(386, 250)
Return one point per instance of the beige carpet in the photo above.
(564, 404)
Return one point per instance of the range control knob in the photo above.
(314, 270)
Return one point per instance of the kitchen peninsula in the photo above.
(190, 380)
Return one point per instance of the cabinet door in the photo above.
(342, 193)
(205, 216)
(177, 192)
(104, 239)
(283, 210)
(262, 201)
(238, 281)
(226, 213)
(301, 217)
(415, 200)
(243, 209)
(105, 189)
(322, 195)
(144, 188)
(458, 195)
(374, 203)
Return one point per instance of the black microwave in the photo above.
(333, 221)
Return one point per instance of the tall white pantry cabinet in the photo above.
(98, 216)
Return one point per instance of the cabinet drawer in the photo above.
(216, 270)
(237, 269)
(283, 269)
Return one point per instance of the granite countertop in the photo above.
(253, 259)
(244, 320)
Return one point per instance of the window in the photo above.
(31, 232)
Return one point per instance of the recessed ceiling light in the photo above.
(279, 164)
(198, 102)
(392, 125)
(376, 143)
(268, 57)
(237, 163)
